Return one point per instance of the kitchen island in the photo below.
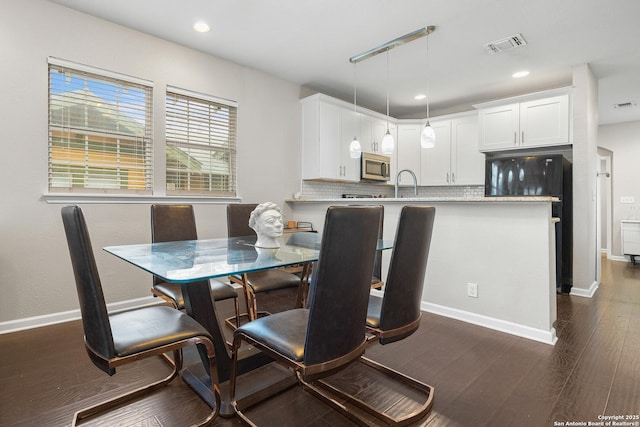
(504, 247)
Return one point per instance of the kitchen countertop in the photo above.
(431, 199)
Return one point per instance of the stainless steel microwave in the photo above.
(375, 167)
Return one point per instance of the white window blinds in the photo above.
(201, 137)
(99, 131)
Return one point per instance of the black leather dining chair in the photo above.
(330, 334)
(112, 340)
(396, 315)
(261, 281)
(171, 223)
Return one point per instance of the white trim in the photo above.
(67, 316)
(621, 258)
(70, 198)
(540, 335)
(99, 71)
(585, 293)
(205, 97)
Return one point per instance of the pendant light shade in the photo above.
(387, 143)
(428, 137)
(354, 148)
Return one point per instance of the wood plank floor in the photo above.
(481, 377)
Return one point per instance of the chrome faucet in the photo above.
(415, 181)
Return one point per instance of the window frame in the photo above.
(122, 127)
(203, 129)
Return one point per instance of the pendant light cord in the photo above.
(427, 73)
(387, 89)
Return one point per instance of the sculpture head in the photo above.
(266, 221)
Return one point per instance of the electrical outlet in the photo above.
(472, 290)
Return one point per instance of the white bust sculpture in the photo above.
(266, 221)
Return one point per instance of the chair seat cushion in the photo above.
(373, 311)
(219, 290)
(269, 280)
(283, 332)
(145, 328)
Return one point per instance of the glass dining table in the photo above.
(192, 263)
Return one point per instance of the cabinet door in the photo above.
(348, 168)
(435, 162)
(379, 129)
(499, 127)
(631, 238)
(321, 128)
(408, 152)
(467, 162)
(545, 122)
(365, 134)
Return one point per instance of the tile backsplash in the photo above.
(333, 190)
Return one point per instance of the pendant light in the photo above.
(354, 148)
(387, 140)
(428, 136)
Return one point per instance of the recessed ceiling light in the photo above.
(520, 74)
(201, 27)
(420, 97)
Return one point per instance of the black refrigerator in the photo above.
(539, 175)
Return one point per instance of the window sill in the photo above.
(71, 198)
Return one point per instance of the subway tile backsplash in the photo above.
(333, 190)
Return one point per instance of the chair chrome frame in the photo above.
(397, 317)
(306, 339)
(108, 351)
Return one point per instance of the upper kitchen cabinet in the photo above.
(327, 130)
(524, 122)
(455, 159)
(408, 153)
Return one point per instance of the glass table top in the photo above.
(194, 260)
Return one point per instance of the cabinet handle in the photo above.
(522, 140)
(453, 178)
(447, 177)
(515, 135)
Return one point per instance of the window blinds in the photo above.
(201, 137)
(99, 131)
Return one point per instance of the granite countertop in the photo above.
(432, 199)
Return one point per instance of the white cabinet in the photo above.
(455, 159)
(527, 123)
(408, 152)
(630, 234)
(327, 131)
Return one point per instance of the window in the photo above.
(201, 144)
(99, 131)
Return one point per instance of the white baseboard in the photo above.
(540, 335)
(619, 258)
(585, 293)
(67, 316)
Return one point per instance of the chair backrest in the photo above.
(238, 219)
(339, 294)
(172, 223)
(95, 319)
(377, 264)
(405, 278)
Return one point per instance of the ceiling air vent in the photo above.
(506, 44)
(625, 105)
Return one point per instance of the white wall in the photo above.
(506, 248)
(585, 167)
(623, 139)
(35, 271)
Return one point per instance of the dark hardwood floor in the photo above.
(481, 377)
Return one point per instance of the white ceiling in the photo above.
(309, 42)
